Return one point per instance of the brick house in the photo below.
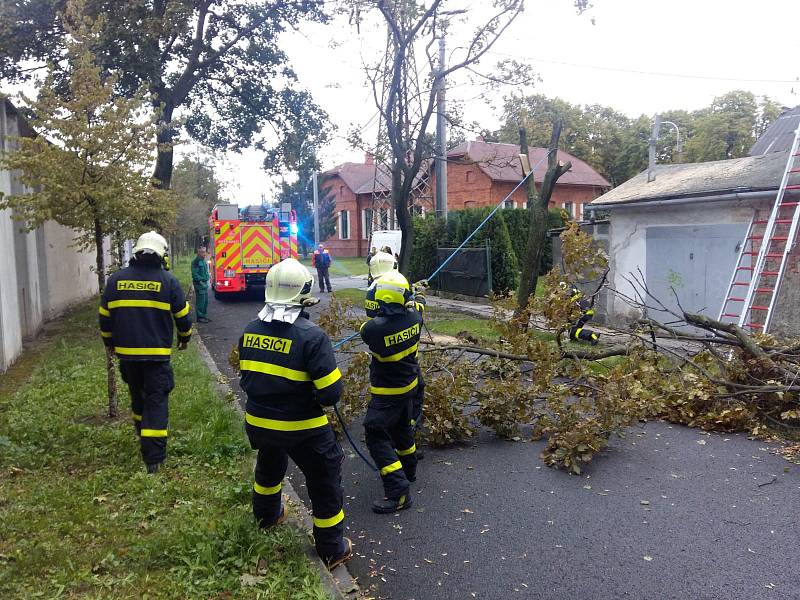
(482, 173)
(478, 174)
(351, 185)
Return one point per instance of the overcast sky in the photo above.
(637, 56)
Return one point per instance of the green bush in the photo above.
(429, 233)
(505, 267)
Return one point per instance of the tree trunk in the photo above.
(407, 229)
(113, 403)
(537, 216)
(162, 174)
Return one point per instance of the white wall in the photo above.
(41, 273)
(628, 237)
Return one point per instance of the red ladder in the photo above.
(756, 280)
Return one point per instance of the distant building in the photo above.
(482, 173)
(683, 230)
(478, 174)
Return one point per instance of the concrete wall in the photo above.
(41, 275)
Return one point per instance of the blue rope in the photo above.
(350, 439)
(345, 340)
(486, 220)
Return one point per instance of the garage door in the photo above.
(694, 261)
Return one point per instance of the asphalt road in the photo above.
(666, 512)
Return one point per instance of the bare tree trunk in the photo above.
(113, 402)
(166, 135)
(537, 212)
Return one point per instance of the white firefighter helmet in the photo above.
(151, 243)
(392, 288)
(381, 263)
(288, 282)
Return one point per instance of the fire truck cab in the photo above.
(245, 242)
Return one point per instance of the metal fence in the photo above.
(469, 273)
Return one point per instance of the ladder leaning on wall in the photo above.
(761, 266)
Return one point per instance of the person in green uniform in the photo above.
(200, 280)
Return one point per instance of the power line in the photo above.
(638, 72)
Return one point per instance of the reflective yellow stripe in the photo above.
(143, 351)
(270, 369)
(362, 325)
(185, 334)
(589, 312)
(329, 379)
(182, 312)
(578, 333)
(408, 451)
(106, 334)
(153, 433)
(395, 357)
(137, 417)
(330, 522)
(267, 491)
(395, 466)
(139, 304)
(391, 391)
(104, 312)
(286, 425)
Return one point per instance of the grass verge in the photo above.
(342, 267)
(81, 519)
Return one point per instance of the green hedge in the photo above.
(507, 232)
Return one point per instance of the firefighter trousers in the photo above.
(319, 456)
(149, 382)
(390, 440)
(577, 332)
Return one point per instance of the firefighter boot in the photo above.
(391, 505)
(346, 554)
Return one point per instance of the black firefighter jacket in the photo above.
(393, 340)
(288, 372)
(137, 309)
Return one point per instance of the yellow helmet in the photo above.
(288, 282)
(151, 243)
(392, 288)
(381, 263)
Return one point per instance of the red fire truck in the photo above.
(245, 242)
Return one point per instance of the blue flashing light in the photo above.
(294, 229)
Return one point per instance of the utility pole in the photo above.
(316, 210)
(441, 140)
(651, 163)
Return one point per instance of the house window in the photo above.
(470, 176)
(568, 208)
(418, 210)
(344, 225)
(509, 204)
(366, 223)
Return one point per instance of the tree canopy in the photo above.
(616, 145)
(215, 63)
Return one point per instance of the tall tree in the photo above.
(406, 109)
(217, 63)
(197, 190)
(88, 168)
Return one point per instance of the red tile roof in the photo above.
(501, 163)
(359, 177)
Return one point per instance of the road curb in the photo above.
(339, 583)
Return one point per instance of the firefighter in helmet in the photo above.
(289, 372)
(384, 263)
(137, 310)
(577, 331)
(393, 339)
